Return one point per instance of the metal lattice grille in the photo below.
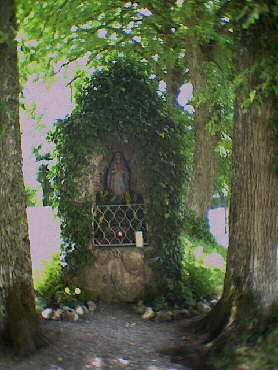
(115, 225)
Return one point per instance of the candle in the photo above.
(139, 239)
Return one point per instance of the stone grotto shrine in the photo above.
(118, 185)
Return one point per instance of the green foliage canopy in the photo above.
(58, 35)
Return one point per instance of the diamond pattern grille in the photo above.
(115, 225)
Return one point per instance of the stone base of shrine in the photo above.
(116, 275)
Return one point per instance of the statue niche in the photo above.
(118, 176)
(119, 208)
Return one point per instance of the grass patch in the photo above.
(259, 355)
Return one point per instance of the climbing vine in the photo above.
(122, 104)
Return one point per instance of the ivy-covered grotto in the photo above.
(118, 184)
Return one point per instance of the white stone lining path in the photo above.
(114, 337)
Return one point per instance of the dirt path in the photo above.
(114, 337)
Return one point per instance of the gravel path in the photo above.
(114, 337)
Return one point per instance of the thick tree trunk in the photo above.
(251, 282)
(254, 204)
(205, 157)
(18, 322)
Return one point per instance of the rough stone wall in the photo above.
(116, 275)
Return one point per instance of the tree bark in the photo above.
(174, 79)
(254, 204)
(18, 321)
(251, 281)
(205, 158)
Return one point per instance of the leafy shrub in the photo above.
(70, 297)
(199, 278)
(197, 228)
(183, 292)
(159, 303)
(52, 290)
(203, 281)
(30, 194)
(51, 282)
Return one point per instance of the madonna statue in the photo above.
(118, 176)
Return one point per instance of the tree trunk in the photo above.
(205, 157)
(18, 321)
(174, 79)
(251, 282)
(254, 204)
(204, 166)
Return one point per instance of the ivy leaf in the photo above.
(4, 37)
(252, 96)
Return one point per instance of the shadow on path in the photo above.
(114, 337)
